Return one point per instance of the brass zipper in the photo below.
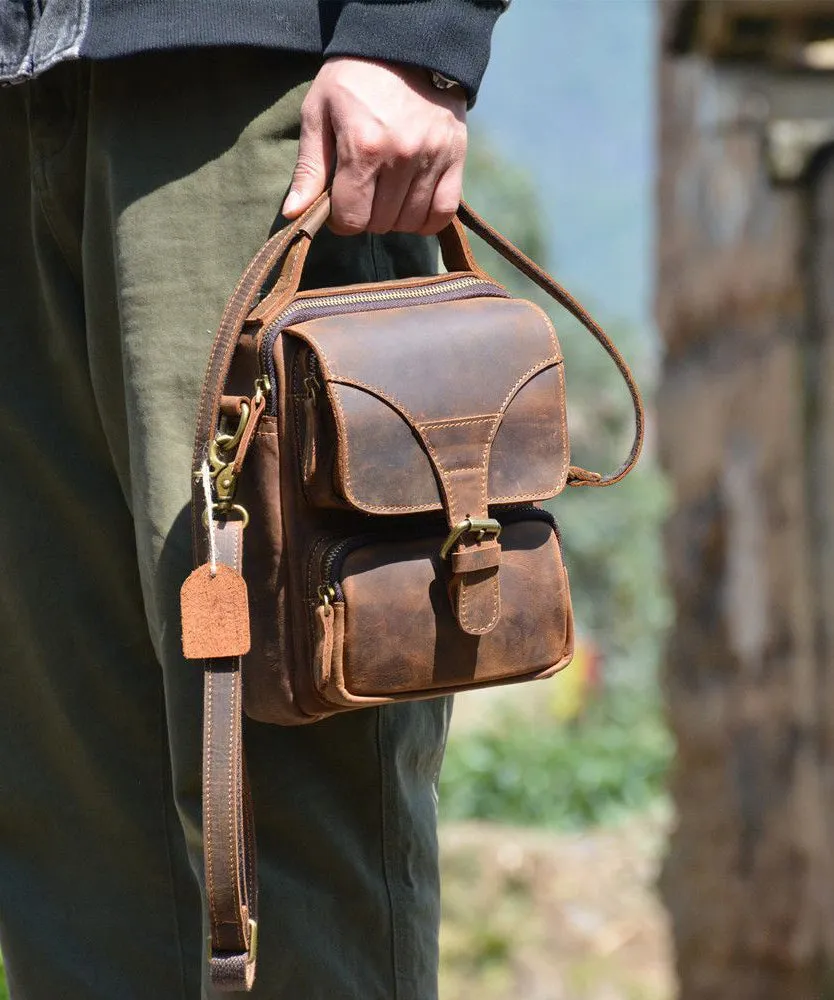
(303, 307)
(385, 294)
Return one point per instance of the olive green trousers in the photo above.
(132, 194)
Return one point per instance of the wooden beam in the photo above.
(768, 31)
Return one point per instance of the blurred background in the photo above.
(658, 821)
(553, 804)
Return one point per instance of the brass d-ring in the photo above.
(224, 511)
(228, 441)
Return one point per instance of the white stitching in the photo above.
(460, 421)
(496, 604)
(207, 819)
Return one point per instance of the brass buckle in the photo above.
(253, 941)
(482, 526)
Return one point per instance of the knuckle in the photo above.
(348, 224)
(306, 166)
(371, 145)
(446, 205)
(406, 150)
(438, 219)
(311, 113)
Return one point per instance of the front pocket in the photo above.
(474, 391)
(384, 627)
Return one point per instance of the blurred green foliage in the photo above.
(530, 772)
(522, 767)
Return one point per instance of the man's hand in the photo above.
(397, 143)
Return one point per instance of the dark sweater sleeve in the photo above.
(450, 36)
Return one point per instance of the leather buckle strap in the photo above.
(479, 526)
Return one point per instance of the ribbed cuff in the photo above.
(450, 36)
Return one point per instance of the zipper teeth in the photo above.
(384, 295)
(301, 307)
(333, 553)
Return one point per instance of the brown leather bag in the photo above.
(398, 441)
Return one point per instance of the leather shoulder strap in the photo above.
(228, 829)
(519, 260)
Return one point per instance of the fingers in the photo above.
(314, 164)
(398, 146)
(445, 200)
(432, 200)
(352, 193)
(392, 188)
(411, 192)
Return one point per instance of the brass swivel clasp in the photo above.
(222, 454)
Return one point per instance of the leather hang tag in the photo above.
(215, 614)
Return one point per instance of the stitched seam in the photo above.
(403, 410)
(232, 860)
(167, 784)
(342, 424)
(239, 838)
(464, 612)
(348, 478)
(550, 328)
(460, 421)
(386, 860)
(539, 366)
(377, 391)
(563, 472)
(230, 337)
(207, 822)
(445, 473)
(560, 366)
(231, 305)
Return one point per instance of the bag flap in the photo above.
(451, 405)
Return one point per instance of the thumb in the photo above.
(312, 166)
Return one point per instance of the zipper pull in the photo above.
(327, 594)
(312, 389)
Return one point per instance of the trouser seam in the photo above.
(386, 856)
(166, 787)
(40, 157)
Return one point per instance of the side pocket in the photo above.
(267, 691)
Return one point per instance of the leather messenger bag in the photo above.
(379, 454)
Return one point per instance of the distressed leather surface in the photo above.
(401, 636)
(453, 404)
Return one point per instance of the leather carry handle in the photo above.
(519, 260)
(458, 256)
(228, 830)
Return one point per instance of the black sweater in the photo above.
(450, 36)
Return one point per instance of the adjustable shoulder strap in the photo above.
(228, 830)
(577, 476)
